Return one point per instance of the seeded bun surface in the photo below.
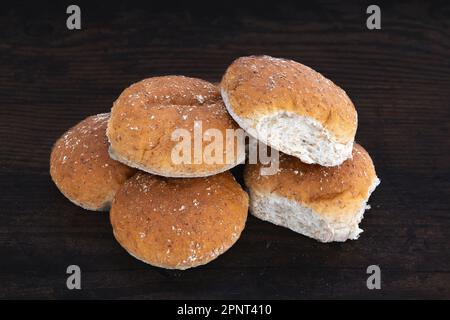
(147, 113)
(178, 223)
(81, 167)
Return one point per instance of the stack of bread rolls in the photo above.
(178, 215)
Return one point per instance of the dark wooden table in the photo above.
(398, 77)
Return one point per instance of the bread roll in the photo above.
(323, 203)
(146, 114)
(291, 108)
(81, 167)
(178, 223)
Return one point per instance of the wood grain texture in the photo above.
(397, 77)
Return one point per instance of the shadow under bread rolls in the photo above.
(324, 203)
(81, 167)
(148, 117)
(291, 108)
(178, 223)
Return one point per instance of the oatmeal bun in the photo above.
(177, 223)
(81, 167)
(148, 116)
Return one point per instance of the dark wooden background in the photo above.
(398, 77)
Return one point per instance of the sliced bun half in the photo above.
(324, 203)
(291, 108)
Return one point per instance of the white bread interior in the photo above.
(304, 220)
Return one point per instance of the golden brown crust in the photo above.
(334, 192)
(146, 114)
(81, 167)
(178, 223)
(261, 85)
